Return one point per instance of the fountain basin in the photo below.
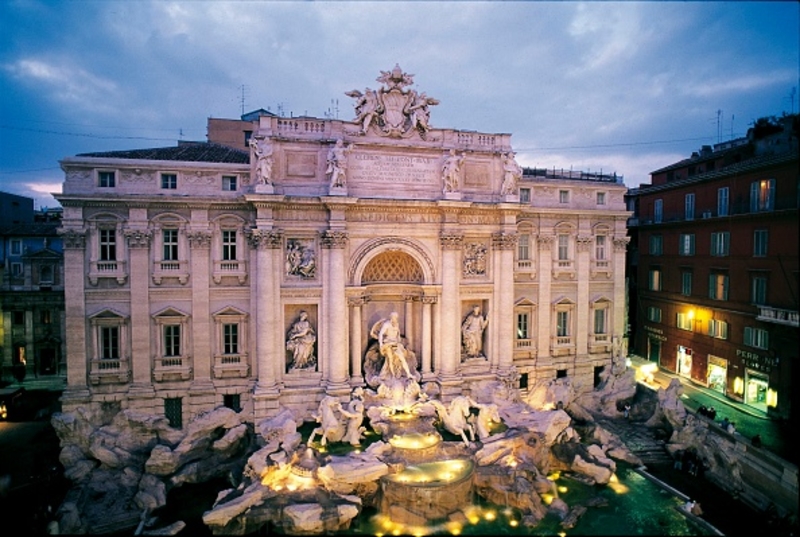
(428, 491)
(416, 447)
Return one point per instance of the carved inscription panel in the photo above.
(393, 169)
(301, 164)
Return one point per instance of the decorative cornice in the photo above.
(138, 238)
(504, 241)
(73, 239)
(199, 238)
(264, 239)
(584, 243)
(334, 239)
(451, 241)
(429, 299)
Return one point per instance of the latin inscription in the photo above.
(393, 169)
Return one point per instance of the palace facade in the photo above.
(205, 274)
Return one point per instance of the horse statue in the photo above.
(454, 417)
(487, 415)
(331, 428)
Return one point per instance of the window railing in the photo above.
(172, 368)
(109, 370)
(564, 266)
(233, 267)
(231, 365)
(524, 343)
(170, 269)
(108, 269)
(778, 315)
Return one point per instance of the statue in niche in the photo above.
(451, 172)
(472, 333)
(300, 259)
(337, 164)
(262, 150)
(475, 260)
(512, 174)
(300, 342)
(387, 357)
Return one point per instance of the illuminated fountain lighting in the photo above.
(647, 372)
(616, 486)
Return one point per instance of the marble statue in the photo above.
(487, 415)
(367, 108)
(418, 111)
(331, 428)
(300, 341)
(355, 417)
(392, 349)
(451, 172)
(337, 164)
(472, 331)
(512, 174)
(455, 417)
(262, 150)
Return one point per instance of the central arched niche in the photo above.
(392, 267)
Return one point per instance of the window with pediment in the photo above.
(106, 249)
(170, 249)
(229, 250)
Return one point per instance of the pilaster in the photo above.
(200, 244)
(74, 243)
(582, 269)
(504, 244)
(543, 330)
(138, 239)
(333, 245)
(451, 245)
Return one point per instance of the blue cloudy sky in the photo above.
(624, 87)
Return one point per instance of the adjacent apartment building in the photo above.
(206, 274)
(32, 344)
(715, 267)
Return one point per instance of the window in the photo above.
(600, 248)
(600, 320)
(109, 343)
(686, 246)
(655, 244)
(173, 411)
(525, 195)
(658, 211)
(169, 181)
(16, 270)
(563, 247)
(762, 195)
(562, 323)
(688, 206)
(718, 286)
(46, 274)
(232, 401)
(230, 339)
(523, 326)
(524, 247)
(229, 183)
(563, 196)
(45, 317)
(720, 243)
(654, 314)
(106, 179)
(172, 340)
(561, 373)
(756, 337)
(247, 136)
(108, 245)
(228, 245)
(601, 198)
(718, 329)
(16, 247)
(654, 281)
(684, 321)
(722, 201)
(170, 246)
(18, 317)
(758, 289)
(760, 240)
(686, 283)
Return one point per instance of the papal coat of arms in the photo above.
(394, 111)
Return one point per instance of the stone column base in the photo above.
(338, 389)
(450, 387)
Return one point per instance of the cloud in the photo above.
(728, 84)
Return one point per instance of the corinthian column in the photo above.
(356, 304)
(265, 242)
(333, 244)
(503, 314)
(451, 245)
(427, 331)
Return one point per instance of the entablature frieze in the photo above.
(466, 289)
(305, 292)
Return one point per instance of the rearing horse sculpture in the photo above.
(454, 418)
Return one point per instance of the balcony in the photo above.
(231, 366)
(168, 368)
(599, 343)
(108, 269)
(564, 267)
(601, 266)
(563, 346)
(171, 269)
(769, 314)
(109, 371)
(233, 268)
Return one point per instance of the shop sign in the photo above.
(717, 361)
(757, 362)
(655, 333)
